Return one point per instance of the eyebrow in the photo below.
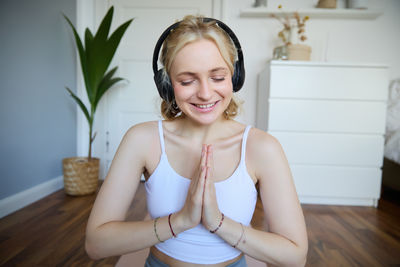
(211, 71)
(219, 69)
(185, 73)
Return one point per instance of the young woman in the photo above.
(201, 168)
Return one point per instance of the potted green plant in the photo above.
(81, 174)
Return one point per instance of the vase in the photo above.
(81, 175)
(260, 3)
(326, 4)
(299, 52)
(357, 4)
(280, 53)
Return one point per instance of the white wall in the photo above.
(334, 40)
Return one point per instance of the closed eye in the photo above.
(218, 79)
(186, 82)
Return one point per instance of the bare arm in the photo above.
(107, 233)
(286, 242)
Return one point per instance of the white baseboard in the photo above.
(342, 201)
(15, 202)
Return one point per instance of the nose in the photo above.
(204, 91)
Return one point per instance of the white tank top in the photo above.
(166, 193)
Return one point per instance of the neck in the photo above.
(202, 133)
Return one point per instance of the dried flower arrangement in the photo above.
(290, 22)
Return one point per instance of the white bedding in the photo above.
(392, 136)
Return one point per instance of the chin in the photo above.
(206, 119)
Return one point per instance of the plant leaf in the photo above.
(104, 28)
(98, 62)
(105, 78)
(102, 53)
(89, 48)
(93, 137)
(114, 40)
(106, 83)
(77, 39)
(88, 39)
(82, 52)
(80, 103)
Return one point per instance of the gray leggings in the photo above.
(152, 261)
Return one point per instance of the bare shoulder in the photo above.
(139, 138)
(142, 133)
(142, 130)
(264, 153)
(261, 143)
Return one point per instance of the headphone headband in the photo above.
(237, 77)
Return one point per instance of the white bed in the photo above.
(391, 166)
(392, 137)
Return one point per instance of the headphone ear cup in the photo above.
(164, 86)
(238, 76)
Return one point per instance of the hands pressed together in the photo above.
(201, 202)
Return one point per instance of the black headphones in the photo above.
(164, 86)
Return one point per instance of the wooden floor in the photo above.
(50, 232)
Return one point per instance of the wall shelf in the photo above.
(323, 13)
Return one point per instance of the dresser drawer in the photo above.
(338, 182)
(327, 116)
(332, 149)
(328, 82)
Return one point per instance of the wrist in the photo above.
(179, 223)
(215, 228)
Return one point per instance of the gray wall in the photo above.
(37, 116)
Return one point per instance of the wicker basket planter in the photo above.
(299, 52)
(81, 176)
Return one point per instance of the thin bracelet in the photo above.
(219, 225)
(241, 236)
(155, 229)
(170, 227)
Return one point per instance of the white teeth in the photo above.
(205, 106)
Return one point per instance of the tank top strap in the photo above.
(244, 141)
(161, 134)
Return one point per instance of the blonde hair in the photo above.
(192, 29)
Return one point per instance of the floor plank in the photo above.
(50, 232)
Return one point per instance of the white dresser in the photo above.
(330, 120)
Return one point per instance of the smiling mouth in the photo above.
(205, 106)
